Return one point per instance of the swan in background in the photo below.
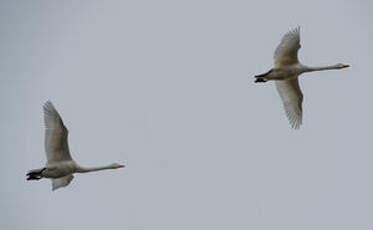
(285, 73)
(60, 166)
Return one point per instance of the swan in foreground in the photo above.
(285, 73)
(60, 166)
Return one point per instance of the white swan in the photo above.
(285, 73)
(60, 166)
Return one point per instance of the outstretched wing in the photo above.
(56, 146)
(292, 98)
(286, 52)
(61, 182)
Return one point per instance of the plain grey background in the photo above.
(166, 87)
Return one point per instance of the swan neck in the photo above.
(93, 169)
(320, 68)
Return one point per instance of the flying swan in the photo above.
(285, 73)
(60, 166)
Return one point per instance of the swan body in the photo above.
(60, 166)
(285, 73)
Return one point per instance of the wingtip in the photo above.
(296, 29)
(48, 106)
(296, 124)
(48, 103)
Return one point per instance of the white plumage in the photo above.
(60, 166)
(55, 142)
(285, 73)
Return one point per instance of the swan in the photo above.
(285, 73)
(60, 166)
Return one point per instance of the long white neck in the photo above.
(312, 69)
(80, 169)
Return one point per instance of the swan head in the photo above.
(117, 165)
(341, 66)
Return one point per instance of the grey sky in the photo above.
(166, 87)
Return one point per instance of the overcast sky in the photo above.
(166, 87)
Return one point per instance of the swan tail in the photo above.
(262, 77)
(35, 174)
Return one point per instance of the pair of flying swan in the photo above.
(60, 166)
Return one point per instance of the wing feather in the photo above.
(286, 52)
(56, 145)
(292, 98)
(61, 182)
